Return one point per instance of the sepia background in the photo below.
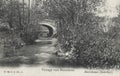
(78, 34)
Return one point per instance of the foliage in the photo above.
(17, 25)
(79, 32)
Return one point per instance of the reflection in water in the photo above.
(38, 54)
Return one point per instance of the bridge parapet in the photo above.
(51, 26)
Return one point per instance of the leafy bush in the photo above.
(29, 37)
(79, 32)
(100, 53)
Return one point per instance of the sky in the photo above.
(110, 9)
(26, 1)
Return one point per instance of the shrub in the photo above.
(29, 37)
(80, 32)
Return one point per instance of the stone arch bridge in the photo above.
(50, 25)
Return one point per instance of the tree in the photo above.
(14, 23)
(79, 33)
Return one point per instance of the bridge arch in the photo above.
(50, 26)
